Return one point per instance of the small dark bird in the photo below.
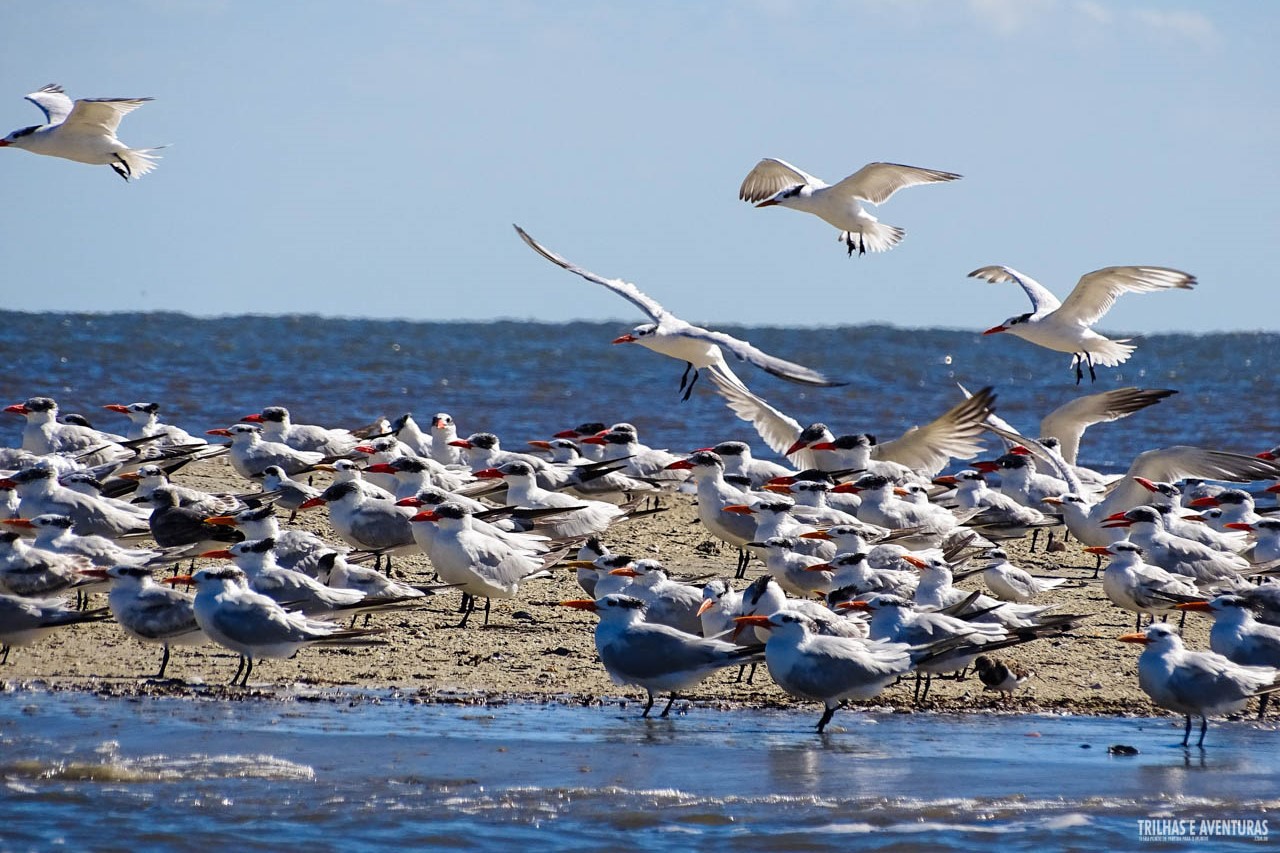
(999, 675)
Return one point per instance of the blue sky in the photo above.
(368, 159)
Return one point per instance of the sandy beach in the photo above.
(535, 649)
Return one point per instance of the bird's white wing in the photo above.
(1042, 301)
(1068, 422)
(1097, 291)
(1170, 464)
(953, 435)
(876, 182)
(52, 101)
(744, 351)
(996, 422)
(101, 115)
(778, 430)
(253, 621)
(625, 289)
(770, 176)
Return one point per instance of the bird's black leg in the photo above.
(292, 516)
(1182, 623)
(667, 710)
(1079, 368)
(122, 167)
(1138, 625)
(1262, 705)
(928, 682)
(466, 601)
(689, 389)
(1093, 377)
(752, 674)
(744, 560)
(244, 682)
(164, 662)
(5, 652)
(1097, 568)
(239, 669)
(1204, 727)
(1186, 734)
(471, 605)
(648, 706)
(684, 377)
(848, 242)
(915, 697)
(488, 602)
(1035, 537)
(826, 718)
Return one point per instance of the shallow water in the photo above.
(150, 774)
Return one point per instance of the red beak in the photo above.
(253, 419)
(116, 407)
(1205, 502)
(488, 474)
(625, 339)
(460, 442)
(17, 409)
(223, 431)
(678, 465)
(995, 329)
(312, 502)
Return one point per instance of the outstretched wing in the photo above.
(778, 430)
(771, 176)
(52, 101)
(1042, 301)
(953, 435)
(625, 289)
(1068, 422)
(876, 182)
(745, 351)
(1170, 464)
(101, 115)
(1097, 291)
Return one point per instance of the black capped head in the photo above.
(871, 482)
(55, 520)
(853, 442)
(1142, 514)
(338, 491)
(401, 422)
(76, 419)
(41, 404)
(618, 601)
(708, 458)
(33, 474)
(1234, 497)
(148, 408)
(732, 448)
(517, 468)
(259, 513)
(590, 428)
(814, 432)
(452, 510)
(484, 440)
(814, 475)
(408, 464)
(275, 414)
(1014, 461)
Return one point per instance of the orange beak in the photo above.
(100, 574)
(116, 407)
(540, 444)
(17, 409)
(915, 561)
(820, 567)
(780, 488)
(1200, 503)
(816, 534)
(488, 474)
(1198, 606)
(995, 330)
(309, 503)
(409, 502)
(222, 431)
(945, 480)
(739, 509)
(1133, 638)
(625, 339)
(853, 605)
(24, 523)
(255, 418)
(706, 605)
(580, 604)
(177, 579)
(625, 572)
(1239, 525)
(457, 442)
(225, 520)
(755, 621)
(1100, 550)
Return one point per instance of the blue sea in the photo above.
(81, 771)
(529, 380)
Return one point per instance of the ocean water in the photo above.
(148, 774)
(529, 380)
(81, 771)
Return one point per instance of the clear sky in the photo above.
(368, 159)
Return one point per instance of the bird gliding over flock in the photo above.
(854, 551)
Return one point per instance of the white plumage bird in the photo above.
(1066, 326)
(83, 130)
(777, 182)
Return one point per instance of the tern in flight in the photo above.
(699, 348)
(84, 131)
(777, 182)
(1066, 326)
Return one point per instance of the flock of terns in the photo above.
(861, 539)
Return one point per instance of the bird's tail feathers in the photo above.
(875, 237)
(1108, 353)
(140, 160)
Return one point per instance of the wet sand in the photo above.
(534, 649)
